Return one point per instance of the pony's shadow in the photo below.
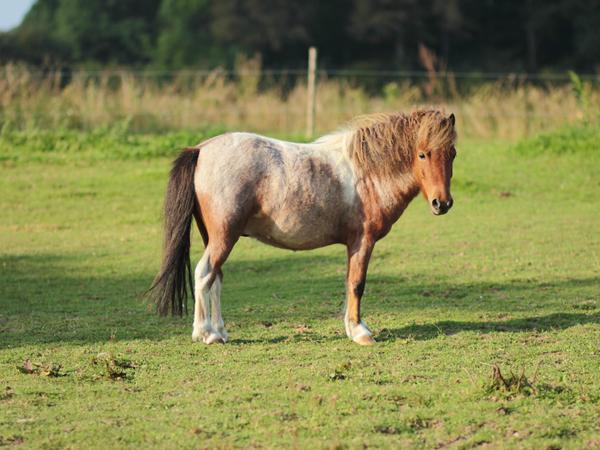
(422, 332)
(315, 338)
(550, 322)
(46, 298)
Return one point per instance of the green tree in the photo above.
(184, 37)
(486, 35)
(275, 28)
(108, 31)
(103, 31)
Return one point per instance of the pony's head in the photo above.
(385, 146)
(432, 161)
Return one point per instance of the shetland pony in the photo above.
(348, 187)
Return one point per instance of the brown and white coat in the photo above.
(346, 188)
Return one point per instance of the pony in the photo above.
(348, 187)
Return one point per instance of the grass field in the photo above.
(509, 278)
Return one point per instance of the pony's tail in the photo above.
(170, 287)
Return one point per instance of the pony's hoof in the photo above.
(224, 335)
(364, 339)
(196, 337)
(214, 338)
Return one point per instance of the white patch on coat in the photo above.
(356, 331)
(202, 327)
(216, 318)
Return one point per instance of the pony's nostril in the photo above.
(449, 203)
(435, 203)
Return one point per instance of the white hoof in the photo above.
(364, 339)
(223, 333)
(201, 332)
(359, 333)
(214, 338)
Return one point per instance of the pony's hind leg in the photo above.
(215, 299)
(208, 277)
(202, 277)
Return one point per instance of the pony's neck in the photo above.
(391, 184)
(392, 193)
(390, 189)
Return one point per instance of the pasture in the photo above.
(509, 279)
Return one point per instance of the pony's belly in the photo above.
(290, 235)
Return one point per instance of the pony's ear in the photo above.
(451, 119)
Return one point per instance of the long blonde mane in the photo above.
(386, 143)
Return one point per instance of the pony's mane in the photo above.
(383, 143)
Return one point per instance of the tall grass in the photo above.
(242, 100)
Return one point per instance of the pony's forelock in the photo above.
(435, 132)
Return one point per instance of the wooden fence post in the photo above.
(311, 92)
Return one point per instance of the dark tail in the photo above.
(170, 287)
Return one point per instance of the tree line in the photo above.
(458, 35)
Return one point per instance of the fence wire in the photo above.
(322, 72)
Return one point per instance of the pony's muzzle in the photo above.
(439, 207)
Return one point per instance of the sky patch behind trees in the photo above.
(12, 13)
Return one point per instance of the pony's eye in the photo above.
(421, 155)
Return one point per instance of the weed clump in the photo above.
(51, 369)
(413, 425)
(340, 373)
(8, 394)
(512, 384)
(114, 368)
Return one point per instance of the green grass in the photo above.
(581, 139)
(510, 278)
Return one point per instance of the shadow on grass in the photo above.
(51, 299)
(556, 321)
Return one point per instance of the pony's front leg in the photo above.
(358, 261)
